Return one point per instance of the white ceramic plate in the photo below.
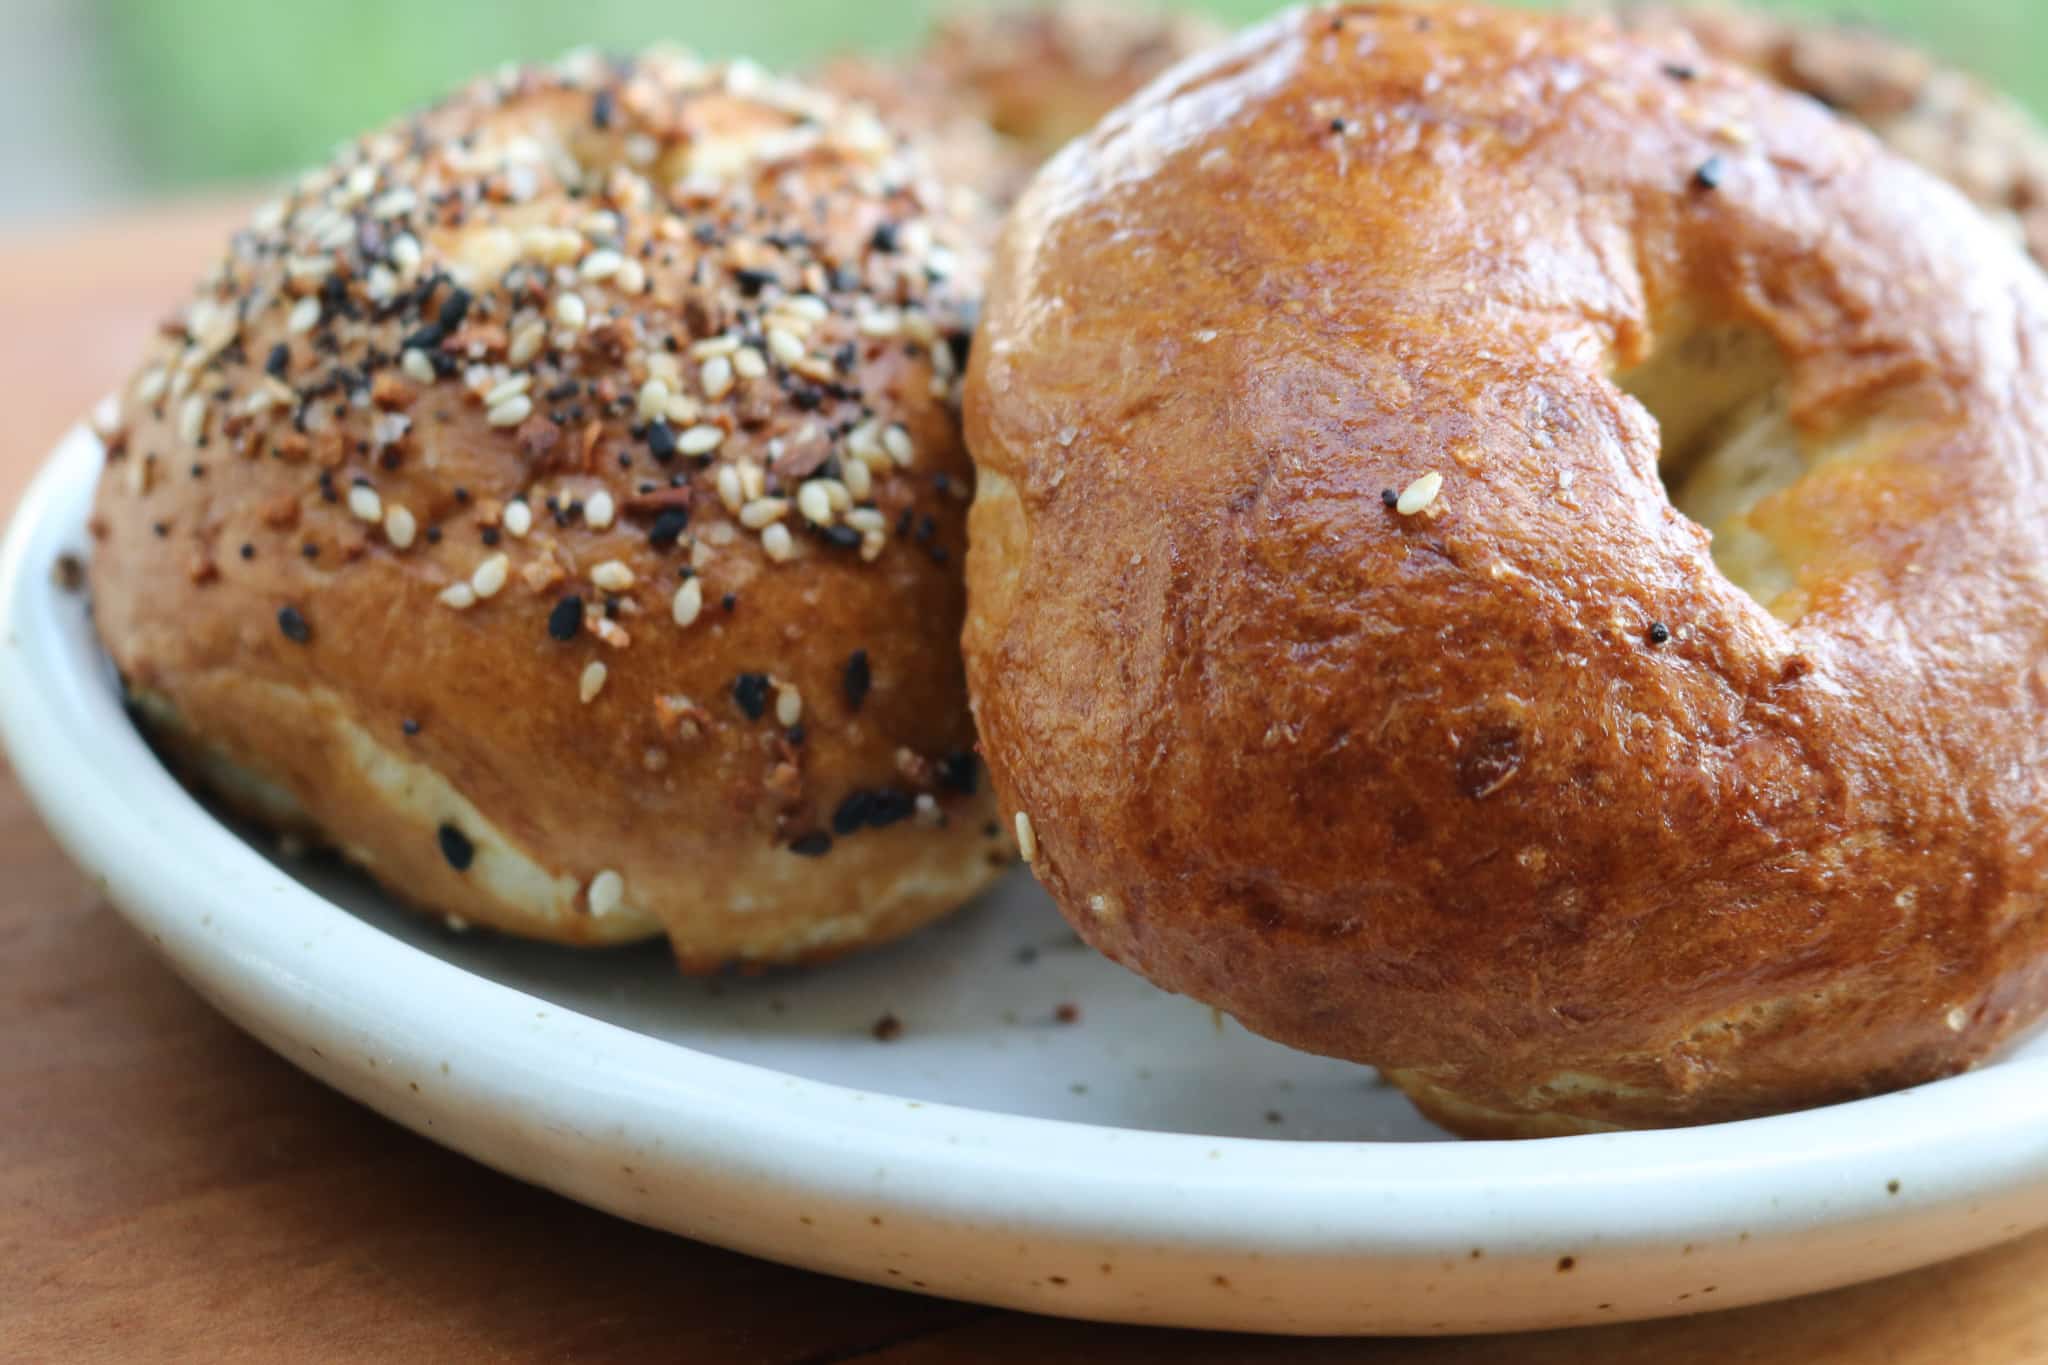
(1147, 1162)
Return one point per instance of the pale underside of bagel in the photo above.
(383, 811)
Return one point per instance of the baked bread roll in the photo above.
(1511, 559)
(996, 91)
(557, 505)
(1981, 141)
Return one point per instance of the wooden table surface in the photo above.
(170, 1190)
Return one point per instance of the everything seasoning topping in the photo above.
(716, 326)
(456, 847)
(293, 623)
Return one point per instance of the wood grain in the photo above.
(171, 1191)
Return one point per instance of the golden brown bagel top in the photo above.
(574, 468)
(1335, 639)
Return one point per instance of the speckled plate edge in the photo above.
(1024, 1213)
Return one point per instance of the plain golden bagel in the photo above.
(557, 505)
(1520, 557)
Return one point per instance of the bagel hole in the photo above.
(1726, 443)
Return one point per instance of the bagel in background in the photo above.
(1518, 554)
(557, 505)
(1982, 142)
(997, 90)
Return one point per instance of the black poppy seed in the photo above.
(1708, 176)
(816, 844)
(461, 493)
(309, 550)
(490, 535)
(750, 694)
(162, 529)
(1659, 632)
(844, 537)
(730, 601)
(433, 535)
(886, 237)
(566, 619)
(278, 361)
(1678, 71)
(454, 309)
(409, 725)
(752, 282)
(856, 678)
(248, 550)
(668, 528)
(1389, 498)
(293, 623)
(602, 108)
(456, 847)
(661, 441)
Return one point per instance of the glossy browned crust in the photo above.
(385, 713)
(1517, 797)
(1977, 139)
(997, 90)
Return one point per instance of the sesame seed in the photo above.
(814, 500)
(1027, 839)
(612, 576)
(506, 389)
(729, 491)
(293, 624)
(570, 311)
(748, 364)
(192, 419)
(689, 601)
(399, 526)
(652, 401)
(860, 484)
(882, 322)
(511, 412)
(867, 520)
(701, 439)
(760, 512)
(631, 277)
(789, 705)
(785, 345)
(896, 441)
(601, 264)
(598, 510)
(489, 576)
(716, 376)
(416, 366)
(591, 682)
(518, 518)
(364, 504)
(809, 307)
(607, 892)
(460, 596)
(1659, 633)
(1419, 495)
(723, 344)
(526, 342)
(778, 544)
(405, 252)
(304, 317)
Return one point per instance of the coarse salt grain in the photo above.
(598, 510)
(612, 576)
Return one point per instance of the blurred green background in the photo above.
(118, 98)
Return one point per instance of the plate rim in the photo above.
(150, 848)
